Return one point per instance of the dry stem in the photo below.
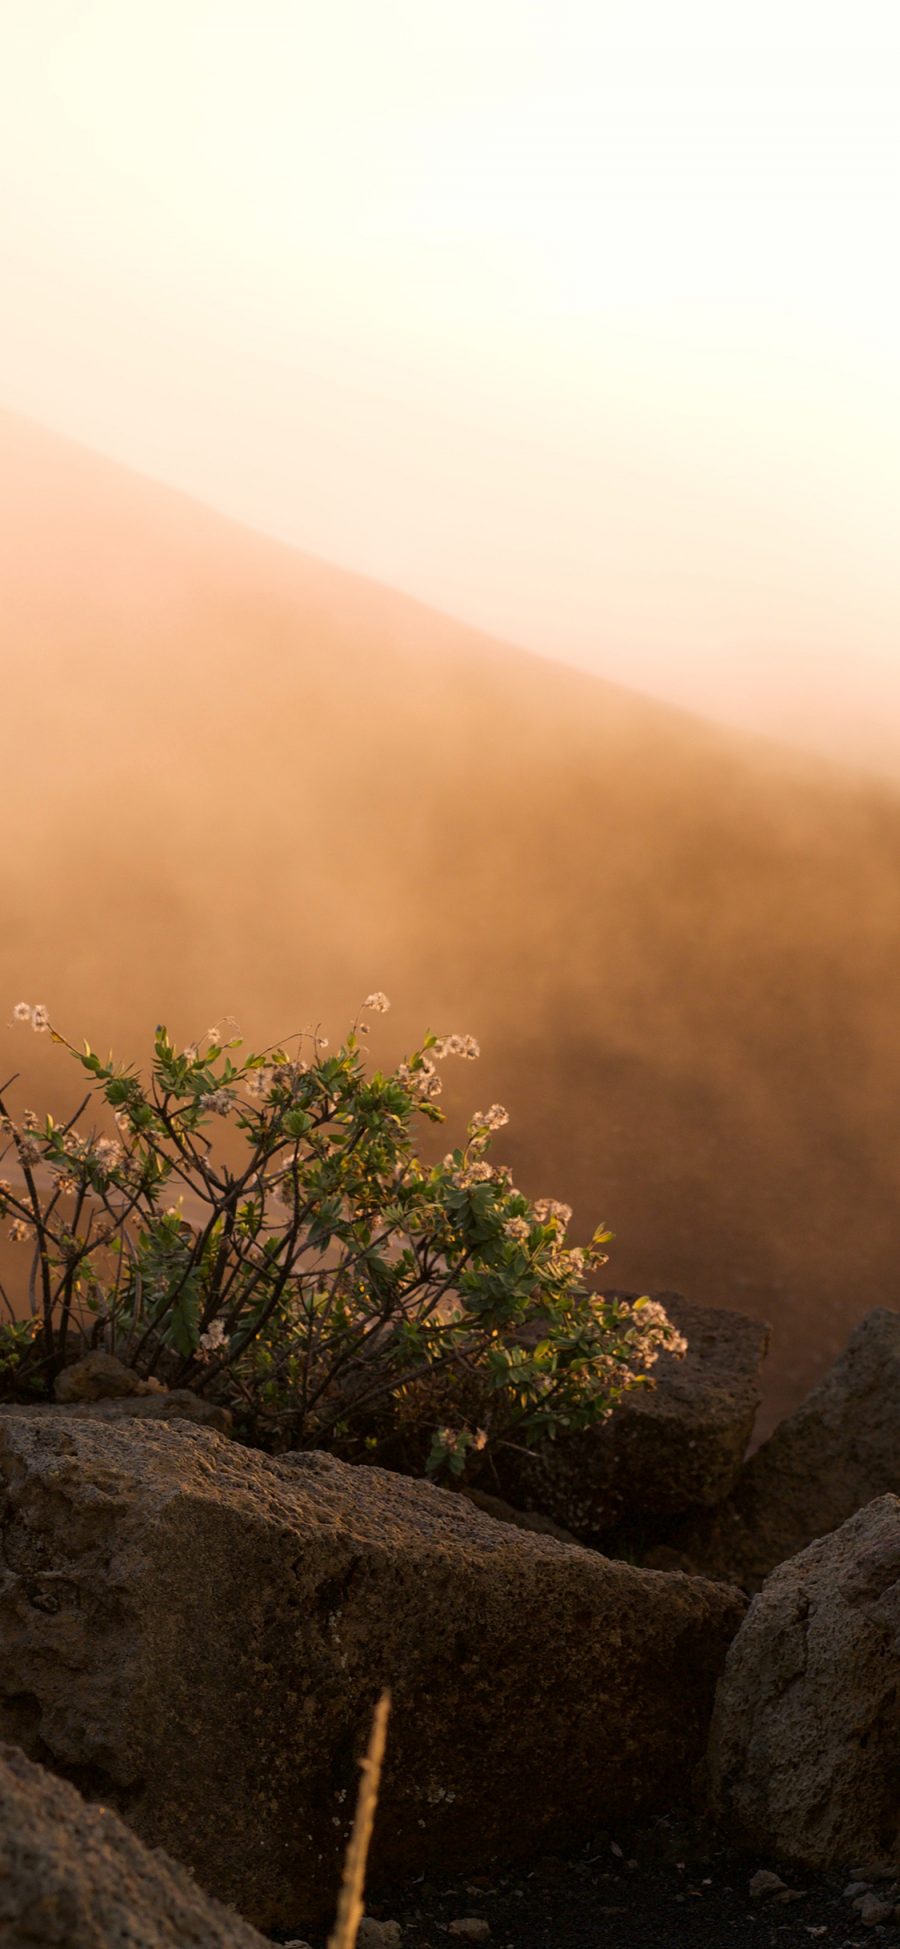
(350, 1900)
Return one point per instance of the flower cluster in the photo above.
(35, 1013)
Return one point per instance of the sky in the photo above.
(578, 320)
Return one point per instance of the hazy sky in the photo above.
(579, 319)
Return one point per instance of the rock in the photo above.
(503, 1512)
(673, 1447)
(805, 1744)
(98, 1376)
(839, 1451)
(199, 1631)
(873, 1909)
(161, 1404)
(74, 1876)
(764, 1882)
(378, 1935)
(172, 1404)
(472, 1928)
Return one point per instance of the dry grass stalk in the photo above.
(350, 1900)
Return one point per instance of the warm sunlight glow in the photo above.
(579, 321)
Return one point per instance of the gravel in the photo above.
(671, 1887)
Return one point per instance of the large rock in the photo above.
(197, 1632)
(805, 1744)
(838, 1452)
(73, 1876)
(676, 1446)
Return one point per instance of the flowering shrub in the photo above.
(318, 1277)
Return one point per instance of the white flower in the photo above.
(422, 1082)
(462, 1045)
(259, 1081)
(517, 1229)
(378, 1003)
(492, 1119)
(218, 1101)
(549, 1211)
(22, 1012)
(480, 1172)
(40, 1020)
(210, 1341)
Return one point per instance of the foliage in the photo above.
(309, 1268)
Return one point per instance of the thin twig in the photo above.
(350, 1900)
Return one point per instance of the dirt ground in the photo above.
(669, 1887)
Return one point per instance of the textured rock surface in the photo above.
(197, 1633)
(532, 1519)
(163, 1404)
(73, 1876)
(674, 1447)
(838, 1452)
(171, 1404)
(805, 1744)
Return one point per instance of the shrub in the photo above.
(310, 1269)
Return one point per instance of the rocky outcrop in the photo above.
(838, 1452)
(676, 1446)
(805, 1745)
(197, 1632)
(73, 1876)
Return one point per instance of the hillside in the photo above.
(237, 779)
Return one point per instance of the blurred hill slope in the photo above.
(238, 779)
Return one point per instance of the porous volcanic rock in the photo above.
(73, 1876)
(197, 1633)
(839, 1451)
(665, 1449)
(805, 1744)
(169, 1404)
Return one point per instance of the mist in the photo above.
(237, 780)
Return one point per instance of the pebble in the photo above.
(855, 1888)
(378, 1935)
(472, 1928)
(764, 1882)
(873, 1909)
